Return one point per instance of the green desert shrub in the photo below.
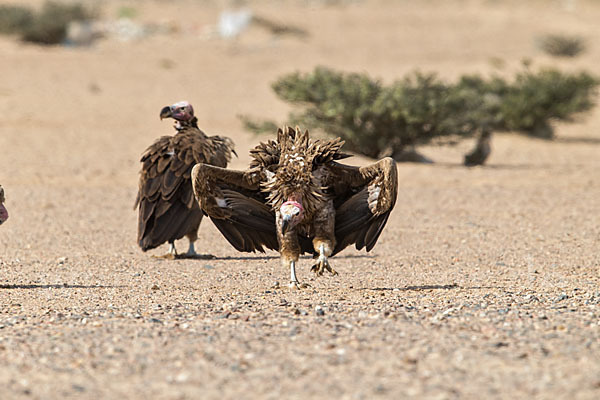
(536, 99)
(377, 120)
(14, 19)
(319, 95)
(50, 25)
(562, 45)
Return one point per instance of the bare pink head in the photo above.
(292, 213)
(181, 111)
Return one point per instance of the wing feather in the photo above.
(364, 198)
(167, 208)
(236, 206)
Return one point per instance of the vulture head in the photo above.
(3, 212)
(292, 214)
(181, 111)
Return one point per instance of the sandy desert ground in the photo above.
(485, 283)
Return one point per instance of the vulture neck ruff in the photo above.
(183, 125)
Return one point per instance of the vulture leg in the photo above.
(191, 253)
(289, 248)
(322, 264)
(294, 283)
(171, 254)
(191, 250)
(293, 280)
(324, 241)
(172, 250)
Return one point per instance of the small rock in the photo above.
(319, 311)
(225, 315)
(561, 297)
(380, 388)
(62, 260)
(530, 298)
(78, 388)
(155, 287)
(294, 331)
(182, 377)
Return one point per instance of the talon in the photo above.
(321, 266)
(316, 270)
(298, 285)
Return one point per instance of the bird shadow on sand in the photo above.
(490, 166)
(417, 288)
(507, 167)
(578, 140)
(356, 256)
(58, 286)
(276, 257)
(248, 258)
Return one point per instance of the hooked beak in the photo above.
(286, 223)
(166, 112)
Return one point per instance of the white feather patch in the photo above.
(222, 203)
(374, 192)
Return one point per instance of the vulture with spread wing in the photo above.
(167, 208)
(3, 211)
(296, 198)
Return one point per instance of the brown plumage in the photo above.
(167, 208)
(3, 211)
(296, 198)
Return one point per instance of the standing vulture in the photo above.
(3, 211)
(167, 208)
(296, 198)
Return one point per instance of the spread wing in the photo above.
(364, 198)
(167, 208)
(237, 207)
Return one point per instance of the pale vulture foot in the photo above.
(298, 285)
(294, 284)
(191, 254)
(322, 264)
(171, 254)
